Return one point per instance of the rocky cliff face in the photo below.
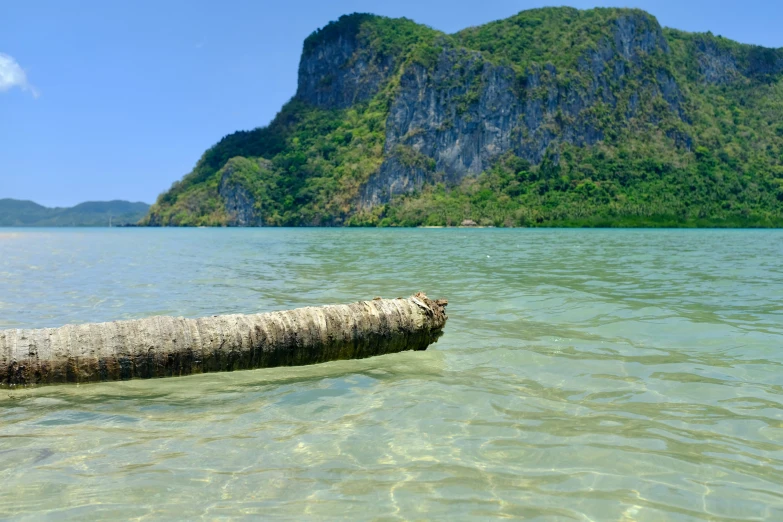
(722, 62)
(716, 65)
(239, 203)
(463, 112)
(340, 71)
(545, 110)
(236, 179)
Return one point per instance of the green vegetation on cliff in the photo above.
(553, 117)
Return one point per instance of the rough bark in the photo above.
(173, 346)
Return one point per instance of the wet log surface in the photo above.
(175, 346)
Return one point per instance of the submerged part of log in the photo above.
(173, 346)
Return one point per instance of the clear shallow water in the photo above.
(584, 375)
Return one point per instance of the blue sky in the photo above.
(118, 99)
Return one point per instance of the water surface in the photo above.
(584, 375)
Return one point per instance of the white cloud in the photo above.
(12, 75)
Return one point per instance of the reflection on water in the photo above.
(584, 375)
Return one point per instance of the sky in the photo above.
(104, 100)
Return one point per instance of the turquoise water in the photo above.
(584, 375)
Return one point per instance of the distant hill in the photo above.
(552, 117)
(19, 213)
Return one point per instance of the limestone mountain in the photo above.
(554, 116)
(22, 213)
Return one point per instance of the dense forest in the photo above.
(553, 117)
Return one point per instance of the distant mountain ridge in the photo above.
(551, 117)
(23, 213)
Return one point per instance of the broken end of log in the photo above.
(434, 308)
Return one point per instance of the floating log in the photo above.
(174, 346)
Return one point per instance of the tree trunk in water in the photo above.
(172, 346)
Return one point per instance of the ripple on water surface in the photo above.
(584, 375)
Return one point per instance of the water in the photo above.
(584, 375)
